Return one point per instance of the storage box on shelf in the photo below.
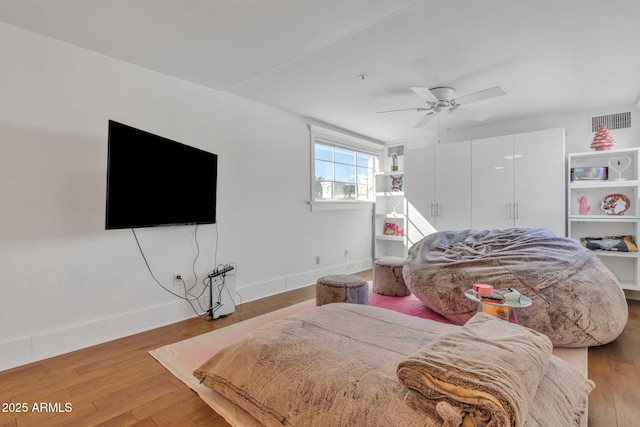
(603, 205)
(390, 220)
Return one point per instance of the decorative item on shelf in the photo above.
(395, 207)
(602, 140)
(615, 204)
(620, 164)
(583, 205)
(397, 183)
(590, 174)
(391, 229)
(394, 162)
(610, 243)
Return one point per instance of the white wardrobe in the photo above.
(502, 182)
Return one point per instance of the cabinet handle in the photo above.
(435, 210)
(516, 211)
(509, 211)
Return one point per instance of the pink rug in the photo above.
(408, 305)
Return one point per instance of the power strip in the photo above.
(220, 271)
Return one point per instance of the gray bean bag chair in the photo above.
(577, 301)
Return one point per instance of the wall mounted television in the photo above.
(154, 181)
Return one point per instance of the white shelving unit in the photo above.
(588, 219)
(390, 220)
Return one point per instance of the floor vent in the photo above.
(612, 121)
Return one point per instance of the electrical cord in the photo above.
(206, 282)
(158, 282)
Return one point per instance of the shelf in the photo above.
(391, 216)
(616, 254)
(390, 213)
(389, 173)
(624, 265)
(603, 184)
(628, 285)
(390, 194)
(604, 218)
(392, 238)
(604, 153)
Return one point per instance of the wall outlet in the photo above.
(317, 259)
(177, 279)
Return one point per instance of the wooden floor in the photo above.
(119, 383)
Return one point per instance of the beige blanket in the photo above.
(335, 365)
(485, 373)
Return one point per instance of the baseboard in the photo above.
(282, 284)
(28, 349)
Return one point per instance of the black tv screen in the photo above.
(154, 181)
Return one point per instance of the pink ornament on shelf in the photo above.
(584, 208)
(602, 140)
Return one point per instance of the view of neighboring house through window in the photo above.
(343, 174)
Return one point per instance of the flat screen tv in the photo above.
(154, 181)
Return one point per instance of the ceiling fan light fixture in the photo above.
(441, 98)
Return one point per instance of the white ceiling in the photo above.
(305, 56)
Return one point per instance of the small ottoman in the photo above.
(387, 278)
(342, 288)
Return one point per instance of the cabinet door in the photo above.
(419, 184)
(539, 180)
(453, 186)
(492, 183)
(419, 191)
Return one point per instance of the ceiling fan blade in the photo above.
(423, 121)
(470, 114)
(424, 93)
(480, 96)
(403, 109)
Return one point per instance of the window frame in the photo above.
(331, 138)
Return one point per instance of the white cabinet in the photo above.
(516, 181)
(439, 190)
(588, 217)
(451, 207)
(390, 216)
(492, 182)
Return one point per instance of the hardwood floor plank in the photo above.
(152, 407)
(602, 409)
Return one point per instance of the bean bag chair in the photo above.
(577, 301)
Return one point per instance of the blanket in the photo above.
(336, 365)
(486, 372)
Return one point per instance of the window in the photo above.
(342, 169)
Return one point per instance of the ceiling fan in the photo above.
(440, 99)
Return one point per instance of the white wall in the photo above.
(65, 282)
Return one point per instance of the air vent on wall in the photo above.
(396, 149)
(612, 121)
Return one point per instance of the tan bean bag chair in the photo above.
(577, 301)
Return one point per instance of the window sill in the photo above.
(341, 206)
